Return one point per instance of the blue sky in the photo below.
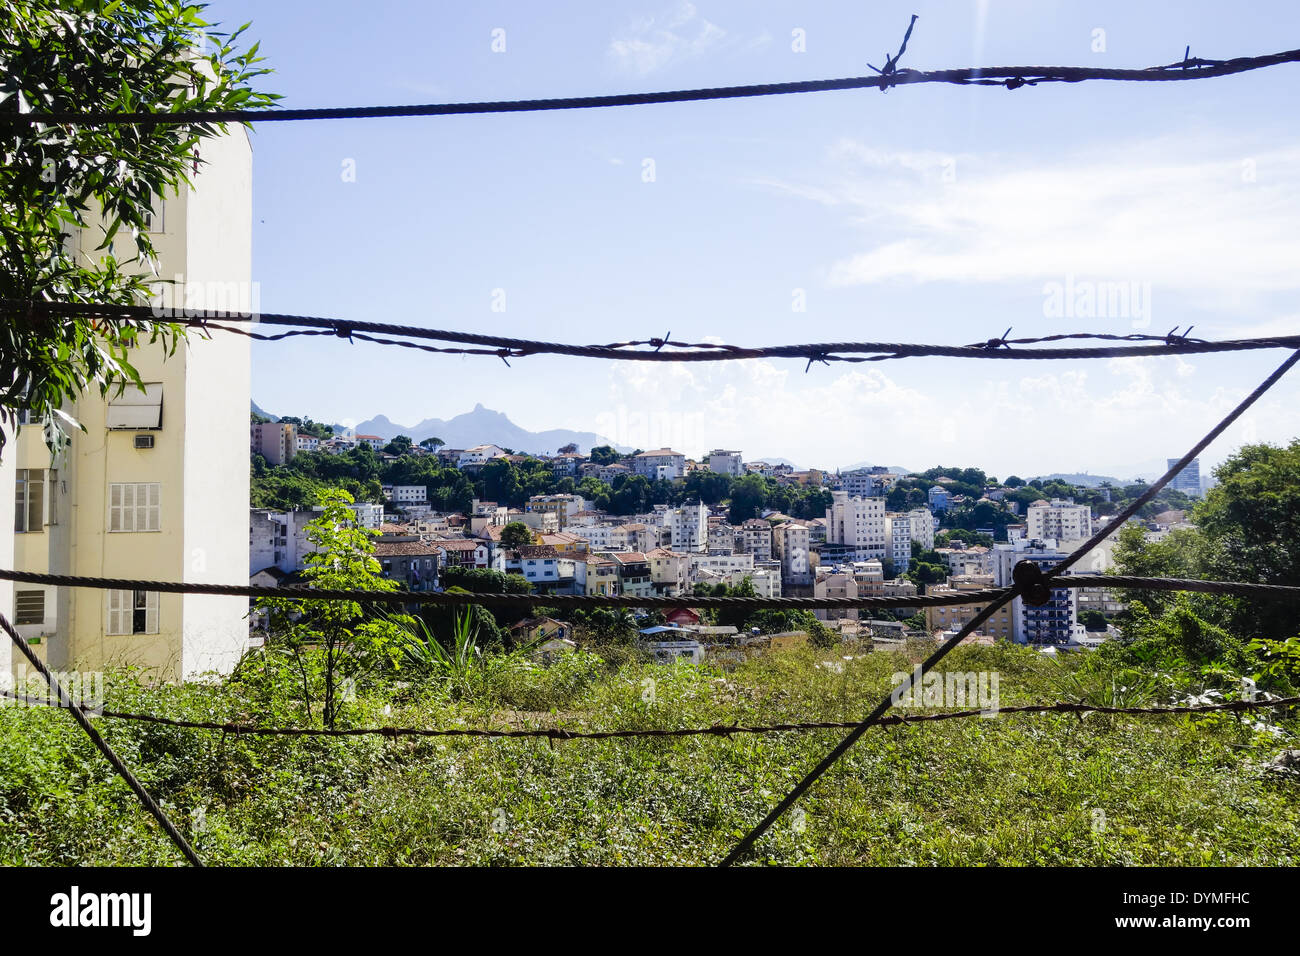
(936, 214)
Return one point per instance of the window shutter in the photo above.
(118, 604)
(151, 612)
(114, 507)
(153, 508)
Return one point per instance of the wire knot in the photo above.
(1028, 578)
(344, 331)
(998, 343)
(816, 355)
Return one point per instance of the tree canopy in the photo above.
(130, 56)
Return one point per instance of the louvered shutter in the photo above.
(119, 604)
(114, 507)
(128, 507)
(151, 612)
(151, 507)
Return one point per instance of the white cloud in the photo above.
(1179, 215)
(1129, 414)
(652, 42)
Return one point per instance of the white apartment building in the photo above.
(923, 527)
(766, 583)
(857, 523)
(723, 565)
(601, 537)
(725, 462)
(660, 464)
(479, 454)
(899, 531)
(688, 527)
(1054, 623)
(308, 442)
(409, 495)
(858, 483)
(755, 536)
(1060, 520)
(790, 545)
(668, 570)
(157, 485)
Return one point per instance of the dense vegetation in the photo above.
(361, 472)
(1018, 789)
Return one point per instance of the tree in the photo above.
(1014, 481)
(334, 640)
(748, 495)
(433, 444)
(132, 56)
(570, 449)
(516, 535)
(400, 445)
(604, 455)
(1093, 620)
(1245, 530)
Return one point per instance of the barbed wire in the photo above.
(714, 730)
(1009, 77)
(1032, 585)
(653, 349)
(123, 771)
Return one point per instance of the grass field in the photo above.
(1011, 790)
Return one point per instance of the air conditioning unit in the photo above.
(143, 441)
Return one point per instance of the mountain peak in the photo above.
(480, 426)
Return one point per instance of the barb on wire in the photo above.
(1010, 77)
(1031, 583)
(891, 63)
(383, 333)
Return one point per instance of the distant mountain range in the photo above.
(1081, 479)
(892, 469)
(482, 426)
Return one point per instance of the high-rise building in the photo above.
(1061, 520)
(157, 485)
(1054, 623)
(857, 524)
(1188, 481)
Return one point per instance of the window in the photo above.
(156, 218)
(134, 409)
(134, 506)
(29, 607)
(132, 612)
(29, 500)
